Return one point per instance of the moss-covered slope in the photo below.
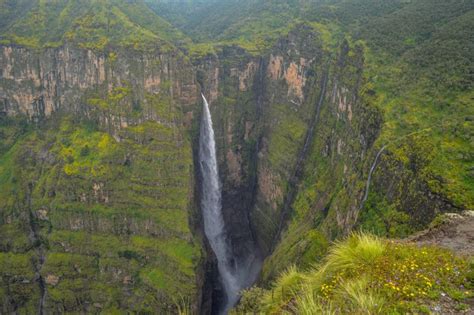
(93, 223)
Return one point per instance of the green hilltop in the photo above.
(92, 24)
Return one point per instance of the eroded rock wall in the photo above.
(97, 193)
(38, 83)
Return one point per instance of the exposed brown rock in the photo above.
(51, 279)
(42, 214)
(455, 231)
(268, 186)
(295, 80)
(246, 77)
(275, 67)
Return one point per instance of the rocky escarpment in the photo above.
(39, 83)
(97, 194)
(268, 112)
(245, 92)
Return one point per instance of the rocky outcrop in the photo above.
(39, 83)
(454, 231)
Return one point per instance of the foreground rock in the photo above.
(453, 231)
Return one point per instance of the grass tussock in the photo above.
(357, 251)
(368, 275)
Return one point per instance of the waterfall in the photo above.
(232, 277)
(369, 178)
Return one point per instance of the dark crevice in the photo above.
(259, 91)
(35, 239)
(299, 166)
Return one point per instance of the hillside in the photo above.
(341, 128)
(91, 24)
(95, 168)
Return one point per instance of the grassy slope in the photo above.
(90, 24)
(367, 275)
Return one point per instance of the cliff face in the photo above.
(268, 112)
(97, 194)
(325, 190)
(39, 83)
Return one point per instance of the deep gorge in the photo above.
(101, 173)
(242, 86)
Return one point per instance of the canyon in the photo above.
(104, 179)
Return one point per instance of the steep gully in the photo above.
(377, 157)
(36, 240)
(295, 179)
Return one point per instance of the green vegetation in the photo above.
(18, 280)
(106, 201)
(253, 25)
(383, 219)
(287, 133)
(418, 63)
(96, 25)
(367, 275)
(111, 218)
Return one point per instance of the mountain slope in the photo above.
(89, 24)
(330, 116)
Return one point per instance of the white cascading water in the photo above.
(233, 278)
